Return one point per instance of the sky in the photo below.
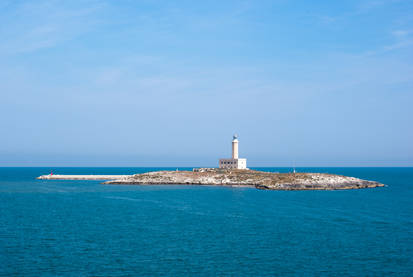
(167, 83)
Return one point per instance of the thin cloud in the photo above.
(402, 39)
(46, 24)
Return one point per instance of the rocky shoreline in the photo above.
(247, 178)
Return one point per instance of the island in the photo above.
(247, 178)
(231, 178)
(232, 172)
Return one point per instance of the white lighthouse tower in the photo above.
(235, 147)
(235, 161)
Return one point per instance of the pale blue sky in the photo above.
(167, 83)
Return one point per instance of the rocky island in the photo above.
(247, 178)
(231, 172)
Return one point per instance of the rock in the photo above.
(247, 178)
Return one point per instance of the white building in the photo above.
(234, 162)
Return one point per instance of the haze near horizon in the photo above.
(154, 83)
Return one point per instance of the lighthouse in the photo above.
(235, 147)
(235, 162)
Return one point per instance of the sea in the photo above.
(85, 228)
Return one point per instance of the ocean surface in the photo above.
(84, 228)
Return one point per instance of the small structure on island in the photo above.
(234, 162)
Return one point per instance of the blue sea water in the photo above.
(84, 228)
